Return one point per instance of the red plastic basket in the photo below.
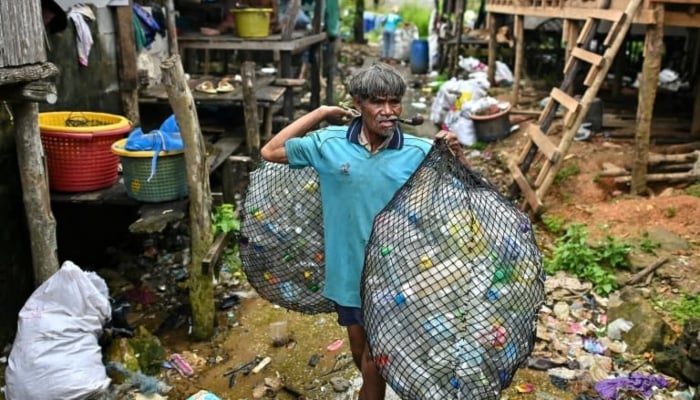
(80, 159)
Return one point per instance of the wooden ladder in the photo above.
(576, 110)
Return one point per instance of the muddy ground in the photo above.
(606, 209)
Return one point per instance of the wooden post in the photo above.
(291, 19)
(518, 31)
(458, 31)
(491, 25)
(653, 51)
(329, 63)
(250, 110)
(695, 122)
(128, 82)
(35, 187)
(172, 27)
(200, 284)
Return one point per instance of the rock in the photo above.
(339, 384)
(666, 239)
(649, 332)
(680, 359)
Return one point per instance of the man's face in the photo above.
(379, 114)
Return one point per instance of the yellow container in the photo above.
(252, 22)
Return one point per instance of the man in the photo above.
(360, 167)
(391, 23)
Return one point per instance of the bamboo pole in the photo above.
(35, 188)
(200, 284)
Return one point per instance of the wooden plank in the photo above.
(299, 42)
(532, 199)
(588, 56)
(214, 254)
(27, 73)
(223, 148)
(21, 33)
(615, 30)
(689, 176)
(572, 106)
(543, 143)
(587, 26)
(567, 12)
(289, 82)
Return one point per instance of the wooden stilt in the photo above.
(200, 284)
(250, 110)
(35, 186)
(653, 51)
(519, 32)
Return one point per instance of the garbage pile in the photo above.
(452, 284)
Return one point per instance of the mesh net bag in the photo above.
(282, 238)
(451, 286)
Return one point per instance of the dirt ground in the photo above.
(584, 197)
(605, 208)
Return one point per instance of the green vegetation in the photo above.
(670, 212)
(417, 14)
(567, 171)
(596, 264)
(553, 224)
(687, 307)
(224, 219)
(647, 245)
(693, 190)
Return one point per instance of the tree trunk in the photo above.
(200, 284)
(359, 25)
(35, 186)
(653, 50)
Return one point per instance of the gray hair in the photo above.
(377, 80)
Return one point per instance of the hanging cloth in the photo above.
(78, 14)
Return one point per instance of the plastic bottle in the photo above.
(453, 271)
(290, 292)
(462, 234)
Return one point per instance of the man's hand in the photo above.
(453, 144)
(337, 115)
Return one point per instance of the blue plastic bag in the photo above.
(166, 138)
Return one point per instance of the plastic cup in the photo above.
(278, 333)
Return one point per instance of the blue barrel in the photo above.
(419, 56)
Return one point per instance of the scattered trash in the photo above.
(630, 386)
(313, 361)
(335, 345)
(181, 365)
(262, 364)
(203, 395)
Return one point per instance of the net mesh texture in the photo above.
(282, 238)
(451, 286)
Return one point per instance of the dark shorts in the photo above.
(349, 315)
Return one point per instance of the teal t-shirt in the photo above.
(391, 22)
(355, 186)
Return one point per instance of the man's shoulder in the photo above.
(418, 142)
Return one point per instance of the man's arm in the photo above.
(274, 150)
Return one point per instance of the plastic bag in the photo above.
(451, 286)
(282, 238)
(166, 138)
(56, 354)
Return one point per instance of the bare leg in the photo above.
(373, 385)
